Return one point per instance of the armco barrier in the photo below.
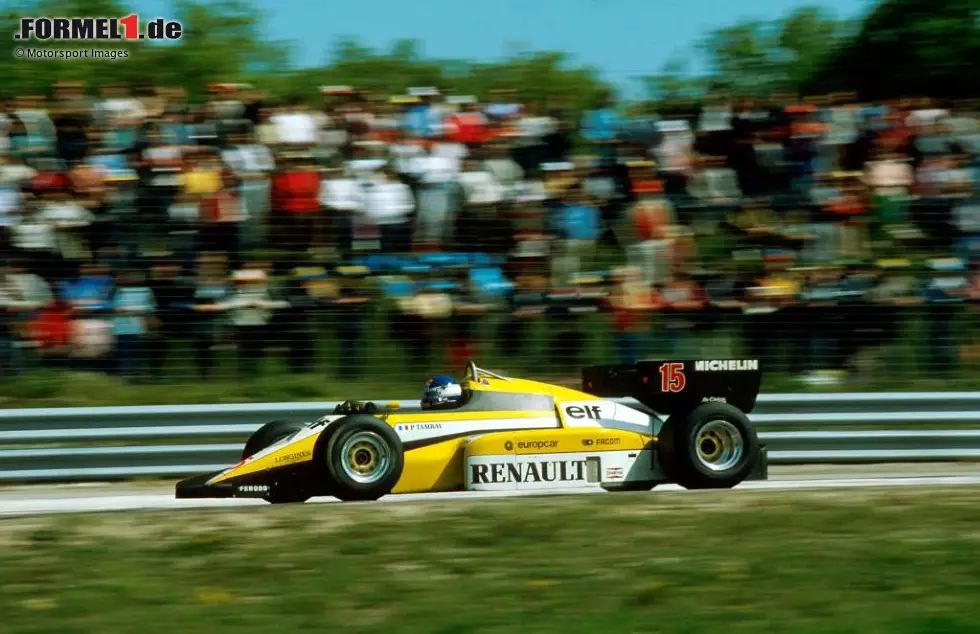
(106, 443)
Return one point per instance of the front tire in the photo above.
(288, 487)
(714, 446)
(364, 458)
(269, 434)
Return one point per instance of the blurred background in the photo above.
(211, 220)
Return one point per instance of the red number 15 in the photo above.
(672, 377)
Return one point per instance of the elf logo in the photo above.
(584, 411)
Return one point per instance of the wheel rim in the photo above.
(720, 445)
(365, 457)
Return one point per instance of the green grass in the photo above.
(895, 562)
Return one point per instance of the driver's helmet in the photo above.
(441, 391)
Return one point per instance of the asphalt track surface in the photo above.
(91, 498)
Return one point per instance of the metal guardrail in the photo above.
(107, 443)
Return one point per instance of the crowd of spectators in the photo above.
(138, 229)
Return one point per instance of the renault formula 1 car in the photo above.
(517, 434)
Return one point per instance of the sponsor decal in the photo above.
(294, 457)
(714, 399)
(419, 427)
(614, 473)
(509, 446)
(739, 365)
(253, 488)
(580, 412)
(546, 471)
(588, 442)
(537, 444)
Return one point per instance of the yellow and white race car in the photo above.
(516, 434)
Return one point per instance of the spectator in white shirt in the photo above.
(532, 127)
(715, 188)
(11, 204)
(266, 132)
(437, 196)
(714, 125)
(35, 241)
(404, 155)
(21, 296)
(252, 163)
(14, 172)
(118, 104)
(250, 310)
(69, 220)
(674, 154)
(504, 169)
(33, 112)
(388, 203)
(367, 158)
(449, 150)
(295, 125)
(482, 195)
(342, 197)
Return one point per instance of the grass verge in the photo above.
(895, 561)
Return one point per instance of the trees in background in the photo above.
(907, 48)
(223, 42)
(900, 48)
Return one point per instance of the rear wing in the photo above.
(674, 386)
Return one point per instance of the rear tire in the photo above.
(363, 457)
(714, 446)
(288, 487)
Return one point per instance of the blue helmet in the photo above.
(441, 390)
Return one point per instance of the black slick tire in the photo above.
(268, 434)
(682, 434)
(360, 441)
(285, 488)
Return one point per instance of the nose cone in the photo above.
(198, 487)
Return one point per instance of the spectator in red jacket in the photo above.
(296, 201)
(469, 126)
